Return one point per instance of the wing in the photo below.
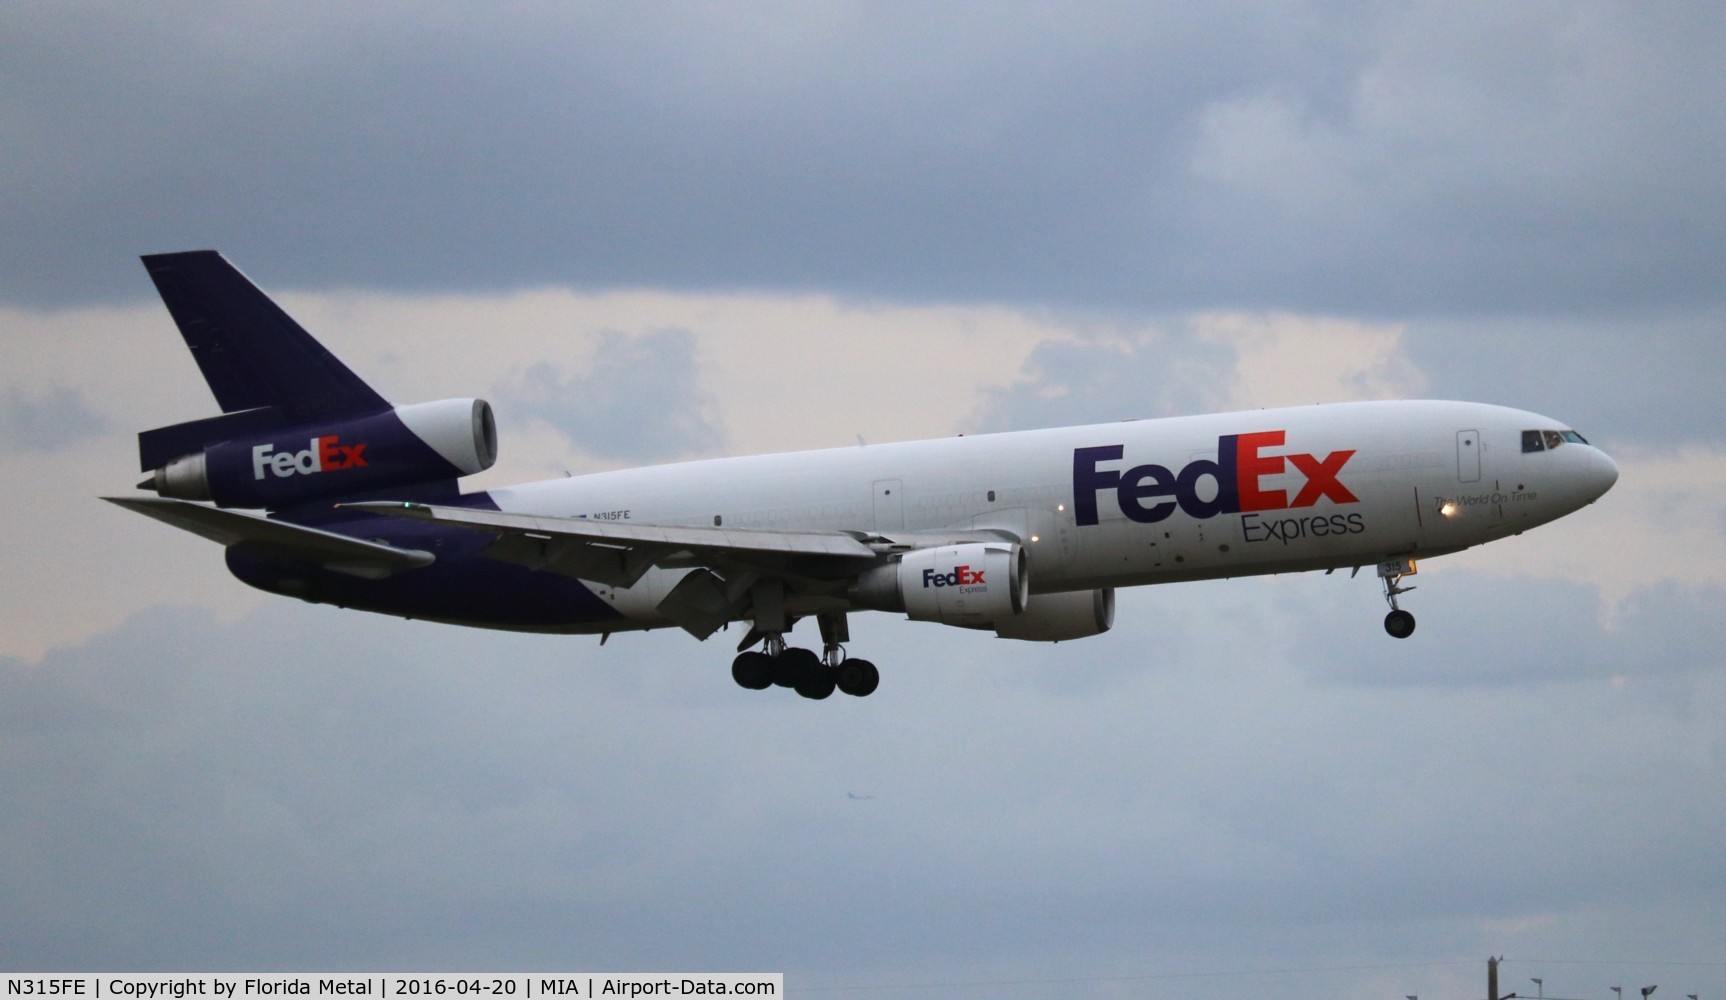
(730, 568)
(619, 554)
(322, 548)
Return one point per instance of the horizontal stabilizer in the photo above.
(292, 541)
(158, 447)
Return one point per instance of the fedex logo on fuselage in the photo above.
(1150, 493)
(322, 454)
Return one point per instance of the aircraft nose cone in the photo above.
(1601, 473)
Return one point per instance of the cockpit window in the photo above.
(1548, 440)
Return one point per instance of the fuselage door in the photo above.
(1468, 456)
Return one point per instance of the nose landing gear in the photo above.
(1399, 623)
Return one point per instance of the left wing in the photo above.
(619, 554)
(732, 568)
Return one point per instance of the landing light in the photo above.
(1447, 508)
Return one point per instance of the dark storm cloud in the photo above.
(45, 420)
(642, 401)
(1346, 158)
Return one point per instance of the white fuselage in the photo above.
(1137, 502)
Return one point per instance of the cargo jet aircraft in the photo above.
(1024, 534)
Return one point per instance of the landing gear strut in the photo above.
(812, 676)
(1399, 623)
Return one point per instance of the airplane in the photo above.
(1026, 534)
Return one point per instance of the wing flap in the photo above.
(341, 553)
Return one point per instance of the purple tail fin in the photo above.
(265, 370)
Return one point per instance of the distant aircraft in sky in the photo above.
(1025, 534)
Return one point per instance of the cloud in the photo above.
(1203, 363)
(46, 420)
(1342, 160)
(1449, 171)
(1665, 501)
(642, 401)
(1601, 376)
(1111, 375)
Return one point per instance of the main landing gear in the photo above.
(1399, 623)
(811, 675)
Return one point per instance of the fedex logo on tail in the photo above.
(322, 454)
(1150, 493)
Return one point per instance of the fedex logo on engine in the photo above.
(961, 576)
(322, 454)
(1150, 493)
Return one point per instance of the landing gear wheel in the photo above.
(1399, 623)
(753, 670)
(818, 684)
(793, 666)
(858, 678)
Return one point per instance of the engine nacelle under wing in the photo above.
(278, 466)
(969, 585)
(1059, 617)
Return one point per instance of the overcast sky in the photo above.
(656, 232)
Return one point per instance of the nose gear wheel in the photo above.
(1399, 624)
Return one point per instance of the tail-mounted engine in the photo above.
(971, 585)
(254, 459)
